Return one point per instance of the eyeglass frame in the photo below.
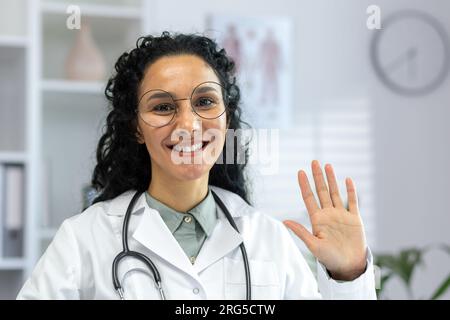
(177, 108)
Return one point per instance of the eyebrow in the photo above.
(158, 95)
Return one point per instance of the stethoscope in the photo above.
(126, 252)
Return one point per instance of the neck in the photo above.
(178, 195)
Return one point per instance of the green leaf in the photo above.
(442, 288)
(402, 264)
(409, 259)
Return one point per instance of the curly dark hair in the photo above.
(123, 163)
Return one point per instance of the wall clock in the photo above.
(410, 54)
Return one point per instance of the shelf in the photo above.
(75, 97)
(12, 157)
(68, 86)
(95, 10)
(12, 264)
(111, 37)
(13, 41)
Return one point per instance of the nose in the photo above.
(186, 118)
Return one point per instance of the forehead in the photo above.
(180, 74)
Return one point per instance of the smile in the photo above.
(189, 148)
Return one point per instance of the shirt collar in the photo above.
(204, 213)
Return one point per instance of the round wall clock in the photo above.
(410, 54)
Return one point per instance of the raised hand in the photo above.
(337, 240)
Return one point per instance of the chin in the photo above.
(187, 172)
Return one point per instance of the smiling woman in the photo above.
(157, 67)
(189, 222)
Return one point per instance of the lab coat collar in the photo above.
(152, 232)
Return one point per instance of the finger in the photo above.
(334, 189)
(351, 196)
(303, 234)
(307, 194)
(321, 186)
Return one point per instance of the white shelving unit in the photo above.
(14, 49)
(13, 41)
(51, 125)
(96, 10)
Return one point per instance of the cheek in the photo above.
(215, 131)
(153, 140)
(152, 146)
(218, 128)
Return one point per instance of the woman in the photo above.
(173, 99)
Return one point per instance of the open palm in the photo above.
(337, 238)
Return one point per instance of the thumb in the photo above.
(302, 233)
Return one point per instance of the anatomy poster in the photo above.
(261, 49)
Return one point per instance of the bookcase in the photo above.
(49, 125)
(14, 155)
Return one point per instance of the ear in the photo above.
(139, 135)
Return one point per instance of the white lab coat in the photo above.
(77, 264)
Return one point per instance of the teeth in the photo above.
(192, 148)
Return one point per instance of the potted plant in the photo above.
(403, 264)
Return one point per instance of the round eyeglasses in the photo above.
(158, 108)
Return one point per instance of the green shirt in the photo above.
(189, 228)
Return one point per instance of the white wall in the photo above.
(413, 179)
(411, 135)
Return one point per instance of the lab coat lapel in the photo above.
(153, 233)
(221, 242)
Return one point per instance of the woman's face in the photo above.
(180, 75)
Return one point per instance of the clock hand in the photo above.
(412, 63)
(407, 58)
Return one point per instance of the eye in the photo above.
(163, 108)
(205, 102)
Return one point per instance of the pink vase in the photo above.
(85, 61)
